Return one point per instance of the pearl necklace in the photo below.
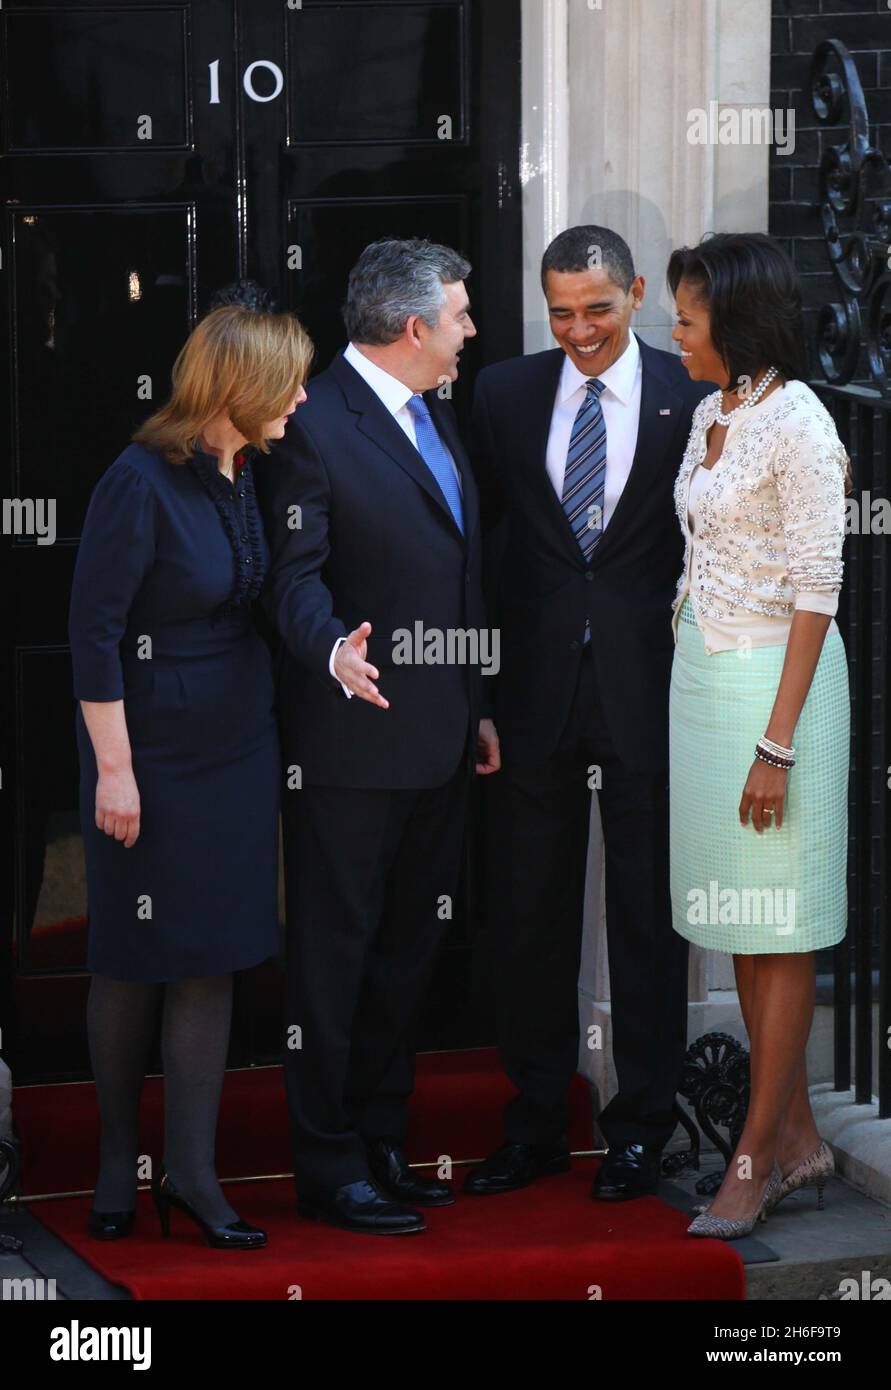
(755, 397)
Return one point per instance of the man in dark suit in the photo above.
(580, 447)
(372, 514)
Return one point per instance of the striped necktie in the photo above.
(435, 455)
(585, 477)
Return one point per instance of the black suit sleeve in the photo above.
(116, 552)
(493, 510)
(483, 458)
(296, 504)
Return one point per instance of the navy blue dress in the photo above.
(170, 560)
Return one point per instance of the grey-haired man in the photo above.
(388, 543)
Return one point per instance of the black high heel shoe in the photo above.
(238, 1235)
(110, 1225)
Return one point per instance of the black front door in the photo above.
(154, 153)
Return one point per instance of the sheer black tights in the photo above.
(195, 1021)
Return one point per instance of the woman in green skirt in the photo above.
(759, 705)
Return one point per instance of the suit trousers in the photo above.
(539, 837)
(368, 875)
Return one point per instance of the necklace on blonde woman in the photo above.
(749, 401)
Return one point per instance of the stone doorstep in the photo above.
(860, 1141)
(849, 1239)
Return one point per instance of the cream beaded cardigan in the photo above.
(769, 523)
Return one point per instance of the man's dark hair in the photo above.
(754, 301)
(246, 293)
(588, 248)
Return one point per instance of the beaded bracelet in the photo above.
(785, 763)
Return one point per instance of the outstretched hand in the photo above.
(352, 668)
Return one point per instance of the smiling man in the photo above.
(579, 447)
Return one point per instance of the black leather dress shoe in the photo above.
(110, 1225)
(629, 1171)
(361, 1206)
(517, 1165)
(391, 1172)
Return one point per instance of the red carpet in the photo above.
(456, 1110)
(549, 1241)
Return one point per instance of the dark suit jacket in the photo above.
(547, 589)
(378, 542)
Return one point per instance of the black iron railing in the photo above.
(855, 358)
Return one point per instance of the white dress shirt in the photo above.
(394, 395)
(620, 402)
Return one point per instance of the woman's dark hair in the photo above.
(754, 300)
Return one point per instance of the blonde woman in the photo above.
(759, 706)
(179, 755)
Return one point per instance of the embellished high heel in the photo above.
(237, 1235)
(723, 1228)
(812, 1171)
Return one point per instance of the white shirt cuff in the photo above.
(346, 690)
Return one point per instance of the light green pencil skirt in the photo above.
(731, 888)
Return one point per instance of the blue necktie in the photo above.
(435, 455)
(584, 482)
